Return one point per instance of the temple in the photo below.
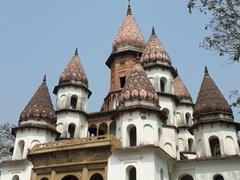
(148, 126)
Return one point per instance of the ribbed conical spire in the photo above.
(138, 86)
(155, 51)
(129, 36)
(74, 71)
(40, 107)
(210, 100)
(180, 90)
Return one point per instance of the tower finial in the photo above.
(206, 70)
(153, 31)
(44, 79)
(129, 11)
(76, 52)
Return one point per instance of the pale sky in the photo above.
(38, 37)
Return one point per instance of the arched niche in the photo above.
(168, 148)
(200, 148)
(148, 134)
(181, 144)
(229, 146)
(33, 143)
(20, 149)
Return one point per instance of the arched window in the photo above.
(73, 102)
(185, 177)
(70, 177)
(188, 119)
(16, 177)
(166, 113)
(20, 149)
(132, 135)
(161, 174)
(218, 177)
(44, 178)
(92, 130)
(163, 82)
(71, 130)
(131, 173)
(103, 129)
(113, 128)
(190, 145)
(214, 146)
(96, 177)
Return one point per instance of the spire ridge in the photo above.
(44, 79)
(76, 52)
(129, 11)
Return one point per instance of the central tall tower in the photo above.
(128, 46)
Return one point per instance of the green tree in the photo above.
(224, 26)
(6, 141)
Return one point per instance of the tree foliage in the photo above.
(6, 141)
(224, 26)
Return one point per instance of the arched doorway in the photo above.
(92, 130)
(186, 177)
(96, 177)
(103, 129)
(70, 177)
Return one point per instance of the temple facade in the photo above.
(148, 126)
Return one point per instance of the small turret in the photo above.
(37, 123)
(72, 99)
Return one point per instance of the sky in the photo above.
(39, 37)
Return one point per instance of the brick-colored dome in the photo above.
(155, 51)
(210, 100)
(129, 35)
(74, 72)
(40, 107)
(138, 86)
(180, 90)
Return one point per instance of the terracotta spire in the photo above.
(210, 100)
(74, 72)
(129, 35)
(155, 51)
(138, 86)
(180, 90)
(40, 107)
